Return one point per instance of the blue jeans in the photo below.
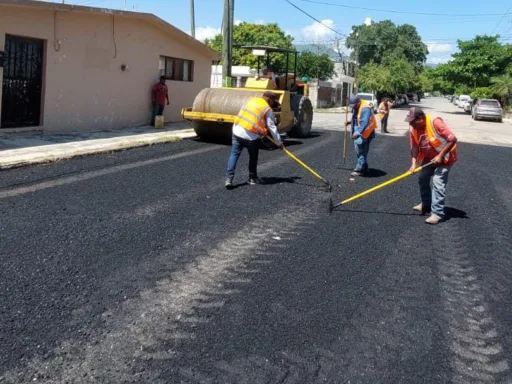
(237, 145)
(158, 110)
(362, 147)
(434, 197)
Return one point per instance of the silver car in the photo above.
(487, 109)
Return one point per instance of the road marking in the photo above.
(102, 172)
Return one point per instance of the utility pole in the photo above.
(192, 20)
(227, 42)
(356, 85)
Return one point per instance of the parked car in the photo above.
(413, 97)
(468, 105)
(371, 98)
(455, 100)
(487, 109)
(462, 100)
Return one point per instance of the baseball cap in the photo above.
(273, 96)
(414, 113)
(354, 99)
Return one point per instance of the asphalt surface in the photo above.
(140, 267)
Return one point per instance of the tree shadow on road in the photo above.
(457, 113)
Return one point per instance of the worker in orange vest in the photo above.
(431, 140)
(254, 121)
(363, 125)
(383, 110)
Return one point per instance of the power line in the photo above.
(403, 12)
(497, 25)
(314, 18)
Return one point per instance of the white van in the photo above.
(370, 98)
(462, 100)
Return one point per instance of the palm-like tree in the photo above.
(502, 86)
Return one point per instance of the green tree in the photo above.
(402, 75)
(426, 83)
(377, 41)
(315, 66)
(479, 60)
(256, 34)
(502, 87)
(374, 77)
(481, 93)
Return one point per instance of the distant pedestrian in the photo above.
(363, 126)
(159, 94)
(254, 121)
(384, 109)
(431, 140)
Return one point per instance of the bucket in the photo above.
(159, 121)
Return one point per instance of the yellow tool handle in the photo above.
(298, 161)
(385, 184)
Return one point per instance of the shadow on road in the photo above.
(456, 113)
(454, 213)
(279, 180)
(373, 173)
(374, 212)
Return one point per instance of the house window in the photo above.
(178, 69)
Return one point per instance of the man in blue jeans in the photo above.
(431, 141)
(363, 125)
(254, 121)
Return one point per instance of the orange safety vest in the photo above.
(252, 116)
(436, 140)
(372, 123)
(383, 106)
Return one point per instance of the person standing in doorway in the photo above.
(363, 125)
(159, 95)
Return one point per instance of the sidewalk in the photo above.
(19, 150)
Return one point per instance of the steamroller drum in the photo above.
(303, 110)
(219, 100)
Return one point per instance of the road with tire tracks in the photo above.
(140, 267)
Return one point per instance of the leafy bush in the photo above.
(481, 93)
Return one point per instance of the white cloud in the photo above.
(434, 47)
(238, 22)
(438, 60)
(261, 22)
(317, 31)
(368, 21)
(203, 33)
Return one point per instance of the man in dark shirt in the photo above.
(159, 94)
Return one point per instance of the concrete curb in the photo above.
(14, 158)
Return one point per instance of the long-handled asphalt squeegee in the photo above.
(301, 163)
(377, 187)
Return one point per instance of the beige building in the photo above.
(72, 68)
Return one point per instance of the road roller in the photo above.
(214, 109)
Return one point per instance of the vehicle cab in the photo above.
(370, 98)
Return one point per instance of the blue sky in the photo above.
(439, 32)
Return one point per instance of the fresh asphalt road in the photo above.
(140, 267)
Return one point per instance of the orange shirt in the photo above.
(426, 148)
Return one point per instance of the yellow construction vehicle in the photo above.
(215, 109)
